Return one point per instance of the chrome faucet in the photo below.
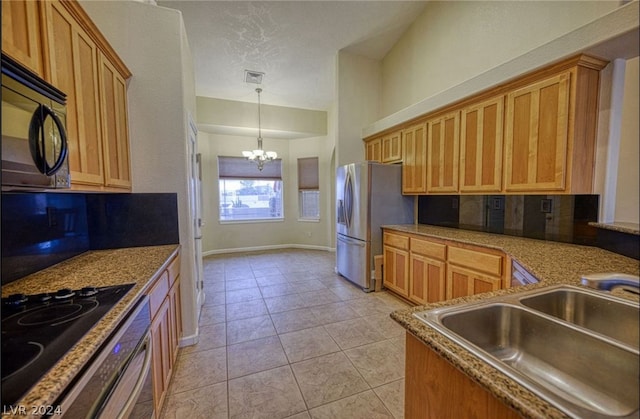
(609, 281)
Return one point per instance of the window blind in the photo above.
(308, 174)
(241, 168)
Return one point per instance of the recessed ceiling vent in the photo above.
(253, 76)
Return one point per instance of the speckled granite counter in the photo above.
(97, 268)
(628, 228)
(550, 262)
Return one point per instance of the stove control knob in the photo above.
(15, 300)
(41, 298)
(64, 294)
(88, 292)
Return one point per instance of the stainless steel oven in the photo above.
(34, 139)
(117, 382)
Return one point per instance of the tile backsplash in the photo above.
(42, 229)
(563, 218)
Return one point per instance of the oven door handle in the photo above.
(137, 389)
(127, 407)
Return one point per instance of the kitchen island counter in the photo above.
(137, 265)
(550, 262)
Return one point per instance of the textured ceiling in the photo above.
(294, 42)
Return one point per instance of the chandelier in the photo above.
(259, 156)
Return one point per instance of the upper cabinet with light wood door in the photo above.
(22, 33)
(392, 147)
(533, 134)
(373, 150)
(84, 65)
(58, 40)
(442, 153)
(414, 162)
(74, 70)
(115, 131)
(550, 132)
(481, 146)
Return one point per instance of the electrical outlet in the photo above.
(308, 234)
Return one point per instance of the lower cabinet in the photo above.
(166, 329)
(434, 388)
(396, 270)
(474, 271)
(426, 270)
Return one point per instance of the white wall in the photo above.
(358, 103)
(628, 175)
(152, 42)
(453, 41)
(225, 237)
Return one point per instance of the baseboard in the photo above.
(269, 247)
(189, 340)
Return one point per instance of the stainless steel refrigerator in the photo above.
(369, 195)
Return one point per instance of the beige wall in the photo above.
(358, 103)
(222, 237)
(149, 38)
(628, 187)
(453, 41)
(219, 115)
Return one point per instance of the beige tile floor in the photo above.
(283, 336)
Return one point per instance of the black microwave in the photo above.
(34, 138)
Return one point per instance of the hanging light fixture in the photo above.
(259, 156)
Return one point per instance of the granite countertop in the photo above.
(550, 262)
(99, 268)
(629, 228)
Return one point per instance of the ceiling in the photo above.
(294, 43)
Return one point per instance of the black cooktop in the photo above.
(38, 330)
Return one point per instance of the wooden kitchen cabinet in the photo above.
(396, 263)
(373, 150)
(161, 360)
(22, 34)
(85, 67)
(481, 135)
(115, 132)
(166, 328)
(74, 70)
(462, 282)
(537, 135)
(474, 271)
(392, 147)
(550, 131)
(434, 388)
(442, 153)
(427, 269)
(414, 161)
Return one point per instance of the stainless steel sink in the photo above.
(601, 315)
(567, 359)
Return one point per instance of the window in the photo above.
(248, 194)
(308, 188)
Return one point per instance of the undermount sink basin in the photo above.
(553, 342)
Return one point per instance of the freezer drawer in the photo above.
(351, 261)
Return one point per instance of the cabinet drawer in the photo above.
(427, 248)
(174, 270)
(158, 293)
(479, 261)
(394, 240)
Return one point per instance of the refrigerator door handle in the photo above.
(348, 199)
(351, 241)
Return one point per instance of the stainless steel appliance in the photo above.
(38, 330)
(117, 384)
(34, 139)
(369, 195)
